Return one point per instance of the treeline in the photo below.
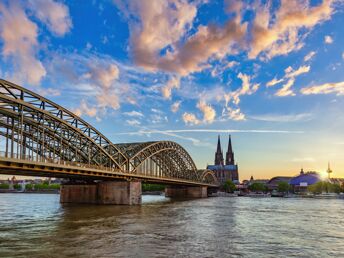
(32, 187)
(152, 187)
(325, 187)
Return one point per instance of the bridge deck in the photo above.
(13, 166)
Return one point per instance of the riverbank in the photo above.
(53, 191)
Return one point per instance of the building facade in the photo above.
(225, 169)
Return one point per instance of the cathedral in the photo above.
(225, 170)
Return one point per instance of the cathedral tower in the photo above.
(230, 153)
(218, 153)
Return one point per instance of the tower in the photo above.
(218, 153)
(329, 171)
(230, 153)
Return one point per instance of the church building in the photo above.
(227, 170)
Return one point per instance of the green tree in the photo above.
(4, 186)
(229, 186)
(257, 187)
(152, 187)
(283, 187)
(316, 188)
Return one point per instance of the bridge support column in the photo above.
(107, 192)
(120, 192)
(186, 192)
(81, 193)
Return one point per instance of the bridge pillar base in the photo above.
(120, 192)
(186, 192)
(107, 192)
(78, 193)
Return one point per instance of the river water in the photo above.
(37, 225)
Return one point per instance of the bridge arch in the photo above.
(160, 159)
(209, 177)
(61, 133)
(37, 129)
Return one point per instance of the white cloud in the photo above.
(19, 35)
(328, 39)
(235, 114)
(85, 109)
(172, 83)
(326, 88)
(163, 38)
(133, 122)
(309, 56)
(283, 117)
(279, 33)
(175, 106)
(134, 113)
(209, 113)
(102, 74)
(190, 119)
(290, 73)
(274, 81)
(54, 14)
(343, 55)
(286, 89)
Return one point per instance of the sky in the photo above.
(270, 73)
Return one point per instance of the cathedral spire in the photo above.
(218, 153)
(218, 149)
(230, 153)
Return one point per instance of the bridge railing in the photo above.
(53, 161)
(47, 160)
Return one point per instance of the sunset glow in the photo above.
(270, 74)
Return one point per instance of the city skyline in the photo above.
(271, 75)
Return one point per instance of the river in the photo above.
(37, 225)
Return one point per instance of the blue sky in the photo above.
(269, 73)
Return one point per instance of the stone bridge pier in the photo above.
(105, 192)
(186, 191)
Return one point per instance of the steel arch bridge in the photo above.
(40, 138)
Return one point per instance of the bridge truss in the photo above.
(35, 129)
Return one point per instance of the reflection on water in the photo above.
(37, 225)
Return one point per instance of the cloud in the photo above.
(161, 40)
(309, 56)
(209, 113)
(55, 15)
(133, 114)
(286, 89)
(290, 73)
(283, 118)
(133, 122)
(343, 55)
(172, 83)
(108, 99)
(273, 82)
(326, 88)
(190, 119)
(102, 74)
(328, 39)
(236, 114)
(279, 33)
(85, 109)
(19, 35)
(175, 106)
(95, 76)
(219, 69)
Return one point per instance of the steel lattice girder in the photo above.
(47, 129)
(43, 110)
